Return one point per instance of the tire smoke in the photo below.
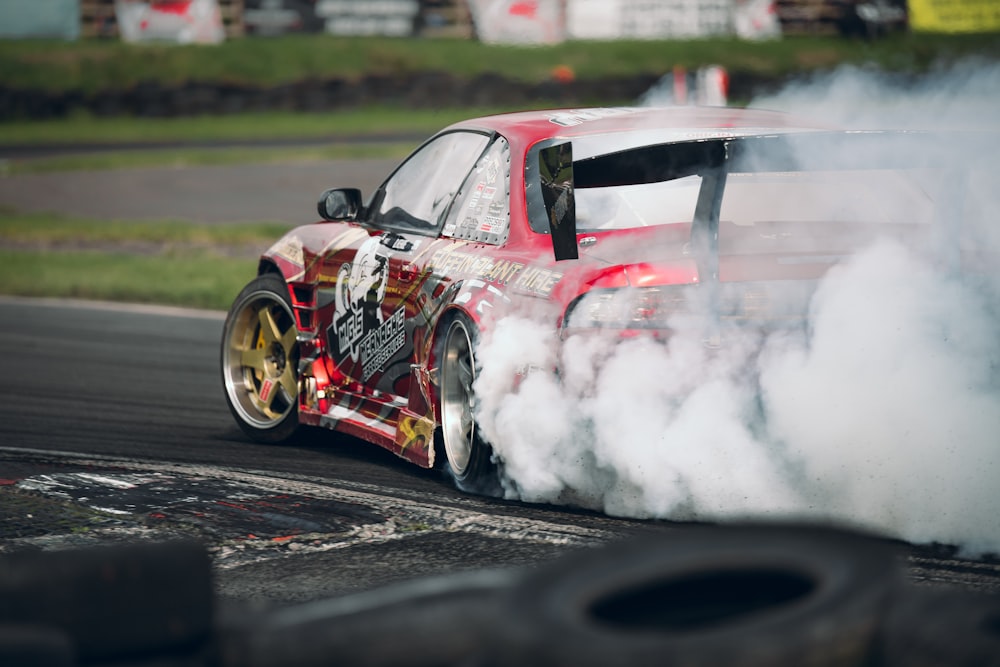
(883, 412)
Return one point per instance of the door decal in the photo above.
(360, 332)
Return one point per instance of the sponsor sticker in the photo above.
(537, 280)
(266, 387)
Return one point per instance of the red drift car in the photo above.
(596, 219)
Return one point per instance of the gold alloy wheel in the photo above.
(259, 357)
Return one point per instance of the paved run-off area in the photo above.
(282, 192)
(273, 539)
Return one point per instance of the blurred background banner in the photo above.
(39, 18)
(643, 19)
(394, 18)
(972, 16)
(756, 19)
(276, 17)
(491, 21)
(518, 21)
(180, 21)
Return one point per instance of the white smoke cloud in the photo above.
(892, 405)
(884, 412)
(962, 95)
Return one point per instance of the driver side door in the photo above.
(378, 290)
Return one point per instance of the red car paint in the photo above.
(369, 298)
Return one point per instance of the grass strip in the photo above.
(194, 157)
(52, 229)
(198, 280)
(83, 128)
(165, 262)
(92, 65)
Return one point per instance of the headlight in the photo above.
(629, 308)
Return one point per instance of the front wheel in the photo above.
(469, 456)
(260, 359)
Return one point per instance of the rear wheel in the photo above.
(469, 456)
(260, 359)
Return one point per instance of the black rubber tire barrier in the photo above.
(929, 627)
(35, 646)
(427, 622)
(113, 602)
(740, 596)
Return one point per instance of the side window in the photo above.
(418, 193)
(482, 208)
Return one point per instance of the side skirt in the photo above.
(383, 422)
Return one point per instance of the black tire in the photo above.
(35, 646)
(112, 603)
(259, 361)
(424, 622)
(469, 458)
(938, 627)
(749, 596)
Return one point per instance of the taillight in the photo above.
(763, 303)
(629, 308)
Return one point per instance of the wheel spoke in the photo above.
(268, 327)
(288, 384)
(467, 424)
(465, 374)
(288, 339)
(253, 358)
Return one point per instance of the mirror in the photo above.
(339, 204)
(555, 167)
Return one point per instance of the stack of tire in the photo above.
(746, 596)
(102, 606)
(749, 596)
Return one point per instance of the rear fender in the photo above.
(434, 343)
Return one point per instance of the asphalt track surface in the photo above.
(119, 410)
(286, 192)
(142, 386)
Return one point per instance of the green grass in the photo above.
(49, 229)
(92, 65)
(199, 280)
(191, 157)
(372, 133)
(175, 263)
(357, 124)
(206, 265)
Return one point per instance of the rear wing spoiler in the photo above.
(713, 159)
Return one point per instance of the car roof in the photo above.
(674, 123)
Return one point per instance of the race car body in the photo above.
(591, 220)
